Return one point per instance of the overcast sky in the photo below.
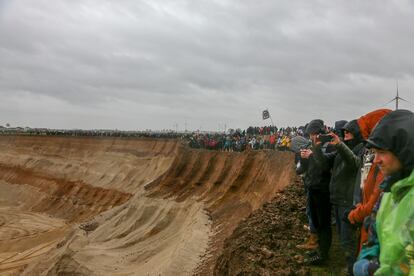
(131, 64)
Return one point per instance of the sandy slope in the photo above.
(121, 206)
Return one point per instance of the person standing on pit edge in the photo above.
(318, 177)
(345, 164)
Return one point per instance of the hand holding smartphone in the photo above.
(325, 138)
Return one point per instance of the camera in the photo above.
(324, 138)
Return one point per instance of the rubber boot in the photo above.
(310, 244)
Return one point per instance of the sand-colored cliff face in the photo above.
(117, 206)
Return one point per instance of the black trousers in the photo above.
(347, 236)
(320, 210)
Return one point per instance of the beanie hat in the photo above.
(315, 126)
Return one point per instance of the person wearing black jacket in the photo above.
(345, 164)
(317, 177)
(300, 145)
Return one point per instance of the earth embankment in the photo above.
(119, 206)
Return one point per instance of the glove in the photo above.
(373, 266)
(346, 214)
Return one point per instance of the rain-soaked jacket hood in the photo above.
(353, 127)
(395, 132)
(367, 122)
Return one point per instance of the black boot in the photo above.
(314, 258)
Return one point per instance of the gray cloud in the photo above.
(151, 64)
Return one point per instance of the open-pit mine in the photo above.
(125, 206)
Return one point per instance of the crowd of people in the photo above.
(253, 138)
(362, 173)
(89, 133)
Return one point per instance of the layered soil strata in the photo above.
(232, 185)
(122, 206)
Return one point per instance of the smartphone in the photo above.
(324, 138)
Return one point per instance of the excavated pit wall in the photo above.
(144, 206)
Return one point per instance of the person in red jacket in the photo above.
(368, 186)
(370, 194)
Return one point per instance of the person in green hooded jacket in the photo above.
(393, 144)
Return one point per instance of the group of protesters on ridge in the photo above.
(254, 138)
(362, 174)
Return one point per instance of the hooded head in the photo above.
(367, 122)
(353, 127)
(395, 133)
(315, 127)
(338, 129)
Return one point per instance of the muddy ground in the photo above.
(265, 242)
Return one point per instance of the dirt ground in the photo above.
(119, 206)
(265, 242)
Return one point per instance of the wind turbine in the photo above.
(396, 99)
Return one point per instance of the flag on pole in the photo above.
(265, 114)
